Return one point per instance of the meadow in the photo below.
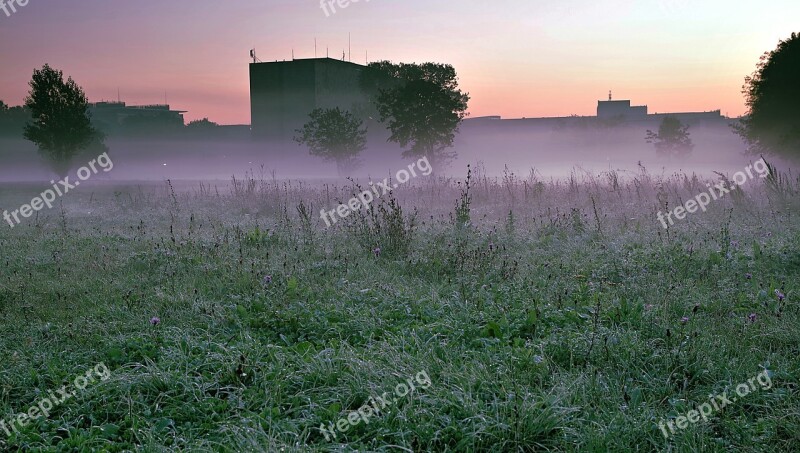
(549, 315)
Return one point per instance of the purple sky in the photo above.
(516, 58)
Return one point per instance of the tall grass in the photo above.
(563, 318)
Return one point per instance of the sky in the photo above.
(516, 58)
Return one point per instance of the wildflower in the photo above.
(155, 320)
(752, 317)
(748, 275)
(267, 279)
(780, 295)
(684, 320)
(377, 252)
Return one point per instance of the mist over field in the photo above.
(371, 226)
(552, 153)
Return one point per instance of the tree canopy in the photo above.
(421, 105)
(61, 126)
(205, 123)
(673, 138)
(334, 135)
(772, 96)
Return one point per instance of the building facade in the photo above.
(117, 118)
(283, 94)
(615, 109)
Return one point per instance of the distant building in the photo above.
(616, 109)
(609, 113)
(120, 118)
(283, 94)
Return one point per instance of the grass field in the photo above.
(548, 316)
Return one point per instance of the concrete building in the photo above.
(283, 94)
(119, 118)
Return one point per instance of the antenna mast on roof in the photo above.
(253, 56)
(609, 95)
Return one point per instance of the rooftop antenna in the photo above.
(253, 56)
(349, 49)
(292, 54)
(609, 95)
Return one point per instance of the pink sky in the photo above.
(515, 58)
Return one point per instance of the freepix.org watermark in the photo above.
(716, 403)
(329, 6)
(10, 6)
(43, 407)
(381, 188)
(375, 406)
(715, 193)
(47, 197)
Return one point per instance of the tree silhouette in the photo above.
(203, 128)
(422, 106)
(334, 135)
(61, 125)
(672, 139)
(203, 124)
(772, 96)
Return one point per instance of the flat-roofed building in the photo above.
(120, 118)
(284, 93)
(614, 109)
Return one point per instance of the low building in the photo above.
(119, 118)
(609, 114)
(620, 109)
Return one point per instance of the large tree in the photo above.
(673, 138)
(421, 105)
(334, 135)
(61, 126)
(772, 96)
